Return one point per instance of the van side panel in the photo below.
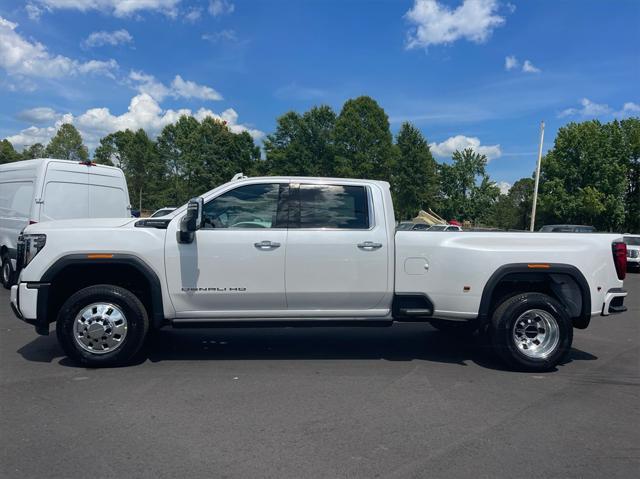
(17, 186)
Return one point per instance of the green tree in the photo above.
(136, 154)
(513, 210)
(584, 176)
(631, 132)
(198, 156)
(37, 150)
(7, 153)
(466, 192)
(67, 144)
(415, 182)
(363, 141)
(302, 144)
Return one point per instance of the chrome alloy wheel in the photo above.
(536, 333)
(100, 328)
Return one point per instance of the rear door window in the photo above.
(331, 207)
(107, 202)
(65, 201)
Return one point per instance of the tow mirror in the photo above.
(192, 221)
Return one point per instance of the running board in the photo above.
(415, 312)
(278, 323)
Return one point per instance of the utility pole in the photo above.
(535, 187)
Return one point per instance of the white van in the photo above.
(46, 189)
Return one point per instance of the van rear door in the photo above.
(108, 195)
(65, 191)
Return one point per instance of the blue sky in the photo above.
(479, 73)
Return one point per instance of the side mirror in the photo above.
(192, 221)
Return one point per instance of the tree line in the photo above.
(590, 176)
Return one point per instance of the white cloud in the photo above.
(33, 134)
(511, 62)
(504, 187)
(193, 14)
(588, 108)
(189, 89)
(22, 57)
(460, 142)
(179, 88)
(34, 12)
(114, 38)
(38, 115)
(629, 109)
(119, 8)
(143, 112)
(149, 85)
(227, 35)
(529, 67)
(436, 23)
(221, 7)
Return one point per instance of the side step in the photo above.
(412, 307)
(285, 323)
(415, 312)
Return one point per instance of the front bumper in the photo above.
(29, 304)
(614, 302)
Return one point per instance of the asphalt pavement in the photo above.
(402, 401)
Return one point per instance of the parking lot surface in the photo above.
(403, 401)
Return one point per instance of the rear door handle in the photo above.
(369, 245)
(266, 245)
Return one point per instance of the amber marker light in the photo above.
(99, 256)
(539, 266)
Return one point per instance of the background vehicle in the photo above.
(411, 226)
(633, 250)
(567, 229)
(444, 228)
(47, 189)
(309, 251)
(163, 211)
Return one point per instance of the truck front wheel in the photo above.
(102, 325)
(531, 331)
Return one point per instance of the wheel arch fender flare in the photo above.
(155, 286)
(525, 268)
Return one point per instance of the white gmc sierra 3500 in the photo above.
(306, 252)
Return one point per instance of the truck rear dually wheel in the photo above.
(102, 325)
(531, 331)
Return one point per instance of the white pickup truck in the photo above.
(308, 252)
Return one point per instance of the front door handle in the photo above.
(369, 245)
(266, 245)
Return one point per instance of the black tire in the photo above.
(137, 325)
(455, 328)
(8, 274)
(503, 334)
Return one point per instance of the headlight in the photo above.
(28, 247)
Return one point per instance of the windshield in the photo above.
(632, 240)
